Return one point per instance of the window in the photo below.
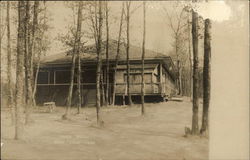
(136, 77)
(89, 76)
(43, 77)
(62, 77)
(51, 77)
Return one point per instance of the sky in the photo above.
(155, 32)
(158, 33)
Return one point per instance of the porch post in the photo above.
(160, 86)
(123, 99)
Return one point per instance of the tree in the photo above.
(9, 57)
(107, 52)
(96, 19)
(2, 30)
(195, 126)
(102, 79)
(34, 31)
(190, 58)
(39, 47)
(143, 56)
(31, 31)
(0, 33)
(75, 50)
(206, 76)
(0, 44)
(177, 23)
(128, 4)
(27, 63)
(20, 68)
(79, 26)
(99, 59)
(117, 53)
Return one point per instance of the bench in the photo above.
(50, 105)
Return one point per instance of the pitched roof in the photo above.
(135, 51)
(89, 53)
(64, 57)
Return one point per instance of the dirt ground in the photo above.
(126, 135)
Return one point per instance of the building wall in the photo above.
(53, 84)
(135, 81)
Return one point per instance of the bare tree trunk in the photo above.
(107, 54)
(79, 85)
(38, 61)
(99, 64)
(0, 42)
(9, 55)
(35, 81)
(102, 88)
(179, 77)
(69, 98)
(75, 50)
(143, 56)
(28, 66)
(20, 69)
(195, 126)
(117, 54)
(206, 76)
(190, 62)
(32, 47)
(128, 3)
(0, 51)
(30, 43)
(79, 26)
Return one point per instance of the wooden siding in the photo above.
(158, 82)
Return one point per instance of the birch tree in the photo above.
(117, 53)
(99, 60)
(2, 29)
(190, 58)
(78, 42)
(143, 56)
(107, 52)
(19, 99)
(75, 50)
(177, 24)
(27, 64)
(9, 58)
(96, 22)
(206, 76)
(33, 39)
(195, 118)
(0, 37)
(31, 30)
(128, 4)
(40, 46)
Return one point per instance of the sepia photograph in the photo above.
(124, 80)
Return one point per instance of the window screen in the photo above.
(89, 76)
(62, 77)
(43, 77)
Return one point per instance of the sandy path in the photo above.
(126, 135)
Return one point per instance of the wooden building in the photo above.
(54, 76)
